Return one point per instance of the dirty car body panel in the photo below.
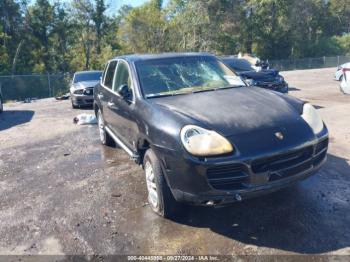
(273, 146)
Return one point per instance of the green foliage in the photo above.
(269, 28)
(144, 29)
(343, 42)
(66, 36)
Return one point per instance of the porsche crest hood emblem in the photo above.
(279, 135)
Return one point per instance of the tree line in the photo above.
(55, 36)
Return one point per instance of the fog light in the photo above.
(238, 197)
(210, 203)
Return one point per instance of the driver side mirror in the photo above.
(124, 92)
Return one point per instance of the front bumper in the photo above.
(222, 181)
(82, 100)
(239, 195)
(278, 87)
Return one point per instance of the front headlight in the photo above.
(250, 82)
(79, 92)
(202, 142)
(313, 118)
(280, 79)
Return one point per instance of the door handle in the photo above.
(100, 96)
(110, 104)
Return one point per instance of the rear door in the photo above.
(105, 93)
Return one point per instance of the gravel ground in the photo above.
(63, 193)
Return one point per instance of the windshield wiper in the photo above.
(203, 90)
(229, 87)
(219, 88)
(165, 95)
(191, 92)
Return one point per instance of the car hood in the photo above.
(237, 110)
(261, 75)
(85, 84)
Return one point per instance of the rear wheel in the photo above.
(105, 138)
(160, 198)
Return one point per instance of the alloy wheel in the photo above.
(151, 185)
(101, 127)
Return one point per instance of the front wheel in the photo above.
(160, 198)
(105, 138)
(74, 106)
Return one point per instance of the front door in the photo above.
(123, 122)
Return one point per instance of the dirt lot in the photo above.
(61, 192)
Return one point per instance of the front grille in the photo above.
(279, 162)
(321, 151)
(291, 171)
(227, 177)
(321, 146)
(239, 176)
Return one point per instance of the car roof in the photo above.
(88, 72)
(145, 57)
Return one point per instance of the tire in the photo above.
(105, 138)
(164, 204)
(341, 78)
(74, 106)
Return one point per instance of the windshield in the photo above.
(93, 76)
(239, 65)
(183, 75)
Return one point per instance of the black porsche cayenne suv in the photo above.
(202, 136)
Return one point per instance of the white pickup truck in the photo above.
(338, 76)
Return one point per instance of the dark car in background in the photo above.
(82, 88)
(202, 136)
(266, 78)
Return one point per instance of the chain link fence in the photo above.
(308, 63)
(21, 87)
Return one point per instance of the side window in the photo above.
(108, 82)
(122, 77)
(104, 73)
